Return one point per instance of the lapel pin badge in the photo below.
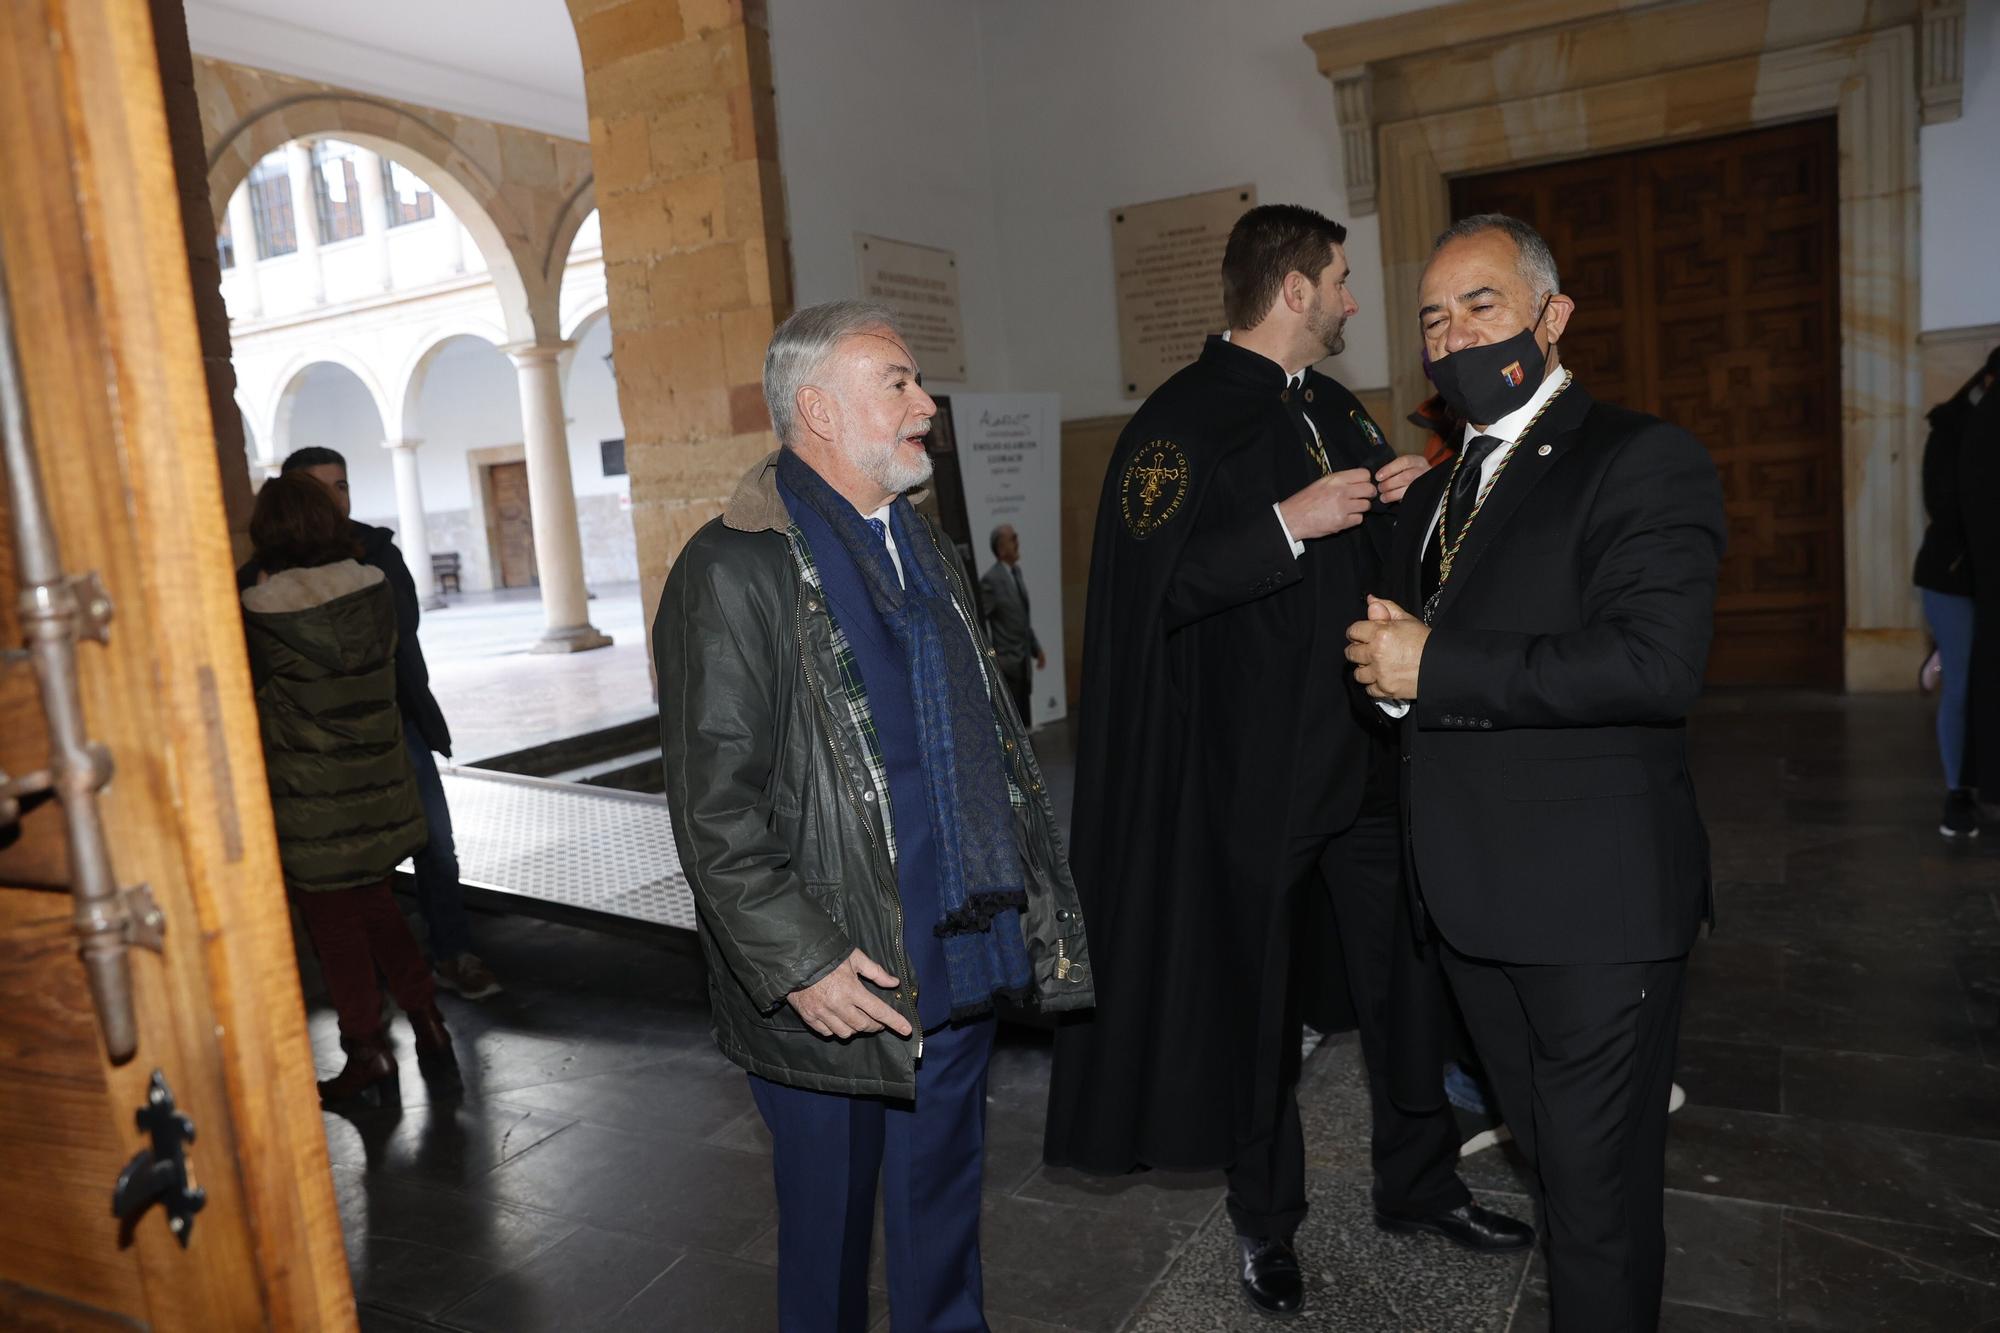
(1544, 451)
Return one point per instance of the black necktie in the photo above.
(1464, 494)
(1020, 586)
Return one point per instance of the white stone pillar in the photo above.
(375, 214)
(305, 216)
(551, 497)
(243, 232)
(413, 533)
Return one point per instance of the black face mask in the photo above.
(1485, 383)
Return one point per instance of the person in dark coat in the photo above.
(1959, 479)
(1003, 594)
(440, 896)
(321, 632)
(1551, 601)
(1226, 768)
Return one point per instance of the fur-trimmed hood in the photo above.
(338, 616)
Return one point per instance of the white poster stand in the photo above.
(1010, 463)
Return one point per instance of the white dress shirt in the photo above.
(1293, 379)
(1508, 431)
(889, 538)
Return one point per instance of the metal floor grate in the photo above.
(586, 849)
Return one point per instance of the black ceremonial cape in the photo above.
(1195, 691)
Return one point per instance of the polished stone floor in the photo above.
(498, 696)
(1837, 1166)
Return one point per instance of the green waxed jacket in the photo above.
(782, 845)
(323, 661)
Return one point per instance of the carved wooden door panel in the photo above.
(1706, 280)
(514, 526)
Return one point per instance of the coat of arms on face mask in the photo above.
(1153, 486)
(1512, 373)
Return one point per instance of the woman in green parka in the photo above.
(321, 628)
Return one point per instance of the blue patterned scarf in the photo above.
(980, 890)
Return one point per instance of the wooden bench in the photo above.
(444, 571)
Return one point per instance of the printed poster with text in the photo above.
(1010, 460)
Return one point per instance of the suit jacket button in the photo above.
(1486, 724)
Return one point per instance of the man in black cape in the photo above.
(1227, 766)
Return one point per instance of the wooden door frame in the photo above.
(1520, 92)
(114, 378)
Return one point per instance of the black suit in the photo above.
(1552, 821)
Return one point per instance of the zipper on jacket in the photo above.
(811, 680)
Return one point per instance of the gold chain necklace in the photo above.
(1448, 546)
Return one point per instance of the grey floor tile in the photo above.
(377, 1207)
(1071, 1265)
(671, 1189)
(1734, 1075)
(1724, 1255)
(1960, 1097)
(685, 1100)
(413, 1278)
(707, 1292)
(581, 1284)
(1849, 1273)
(1924, 1179)
(1168, 1195)
(445, 1144)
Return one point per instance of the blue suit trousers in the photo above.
(829, 1153)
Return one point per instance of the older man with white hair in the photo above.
(864, 827)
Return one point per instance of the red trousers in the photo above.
(355, 932)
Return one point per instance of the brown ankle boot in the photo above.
(369, 1079)
(434, 1054)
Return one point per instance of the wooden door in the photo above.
(1706, 282)
(513, 525)
(96, 267)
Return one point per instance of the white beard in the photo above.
(885, 466)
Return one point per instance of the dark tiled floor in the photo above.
(1837, 1167)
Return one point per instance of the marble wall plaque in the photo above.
(1168, 258)
(919, 283)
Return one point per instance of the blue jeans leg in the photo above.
(1950, 618)
(440, 897)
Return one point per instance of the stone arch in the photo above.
(527, 297)
(289, 381)
(585, 319)
(576, 210)
(417, 370)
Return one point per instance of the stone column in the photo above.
(412, 526)
(375, 214)
(243, 231)
(305, 215)
(558, 547)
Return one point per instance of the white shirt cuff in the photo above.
(1298, 547)
(1394, 707)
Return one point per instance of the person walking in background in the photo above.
(321, 632)
(440, 896)
(1953, 467)
(1008, 624)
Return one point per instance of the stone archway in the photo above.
(520, 193)
(1462, 89)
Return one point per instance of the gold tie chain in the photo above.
(1448, 545)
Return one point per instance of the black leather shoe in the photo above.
(1468, 1226)
(1271, 1277)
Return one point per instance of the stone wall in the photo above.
(683, 128)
